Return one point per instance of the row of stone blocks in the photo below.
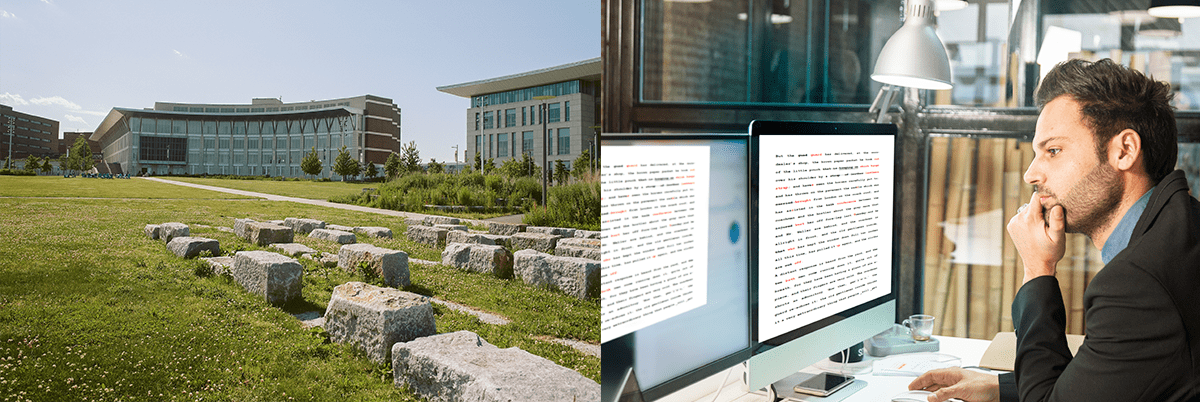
(546, 242)
(392, 325)
(579, 277)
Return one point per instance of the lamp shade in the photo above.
(1175, 8)
(914, 56)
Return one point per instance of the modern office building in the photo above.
(505, 121)
(264, 137)
(26, 134)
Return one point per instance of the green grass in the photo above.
(313, 190)
(92, 309)
(58, 186)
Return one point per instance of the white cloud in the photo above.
(76, 119)
(46, 1)
(55, 100)
(6, 14)
(179, 54)
(12, 99)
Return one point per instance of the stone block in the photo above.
(373, 318)
(293, 249)
(506, 229)
(577, 277)
(280, 222)
(374, 231)
(534, 241)
(151, 231)
(276, 277)
(495, 260)
(563, 232)
(427, 235)
(441, 220)
(263, 233)
(578, 252)
(579, 242)
(341, 228)
(461, 366)
(220, 265)
(391, 265)
(333, 235)
(302, 225)
(188, 247)
(476, 238)
(461, 228)
(239, 227)
(587, 234)
(414, 221)
(171, 230)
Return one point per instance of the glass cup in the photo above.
(920, 326)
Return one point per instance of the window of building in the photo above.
(567, 111)
(297, 143)
(553, 112)
(148, 125)
(476, 121)
(510, 117)
(210, 143)
(564, 141)
(180, 108)
(478, 148)
(166, 149)
(226, 110)
(309, 142)
(487, 120)
(503, 138)
(527, 142)
(243, 110)
(193, 127)
(223, 127)
(253, 159)
(308, 126)
(223, 143)
(252, 143)
(239, 143)
(196, 109)
(239, 127)
(281, 143)
(224, 158)
(212, 110)
(523, 116)
(256, 110)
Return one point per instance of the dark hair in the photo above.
(1112, 98)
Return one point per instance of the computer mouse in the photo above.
(912, 396)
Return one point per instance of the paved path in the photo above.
(322, 203)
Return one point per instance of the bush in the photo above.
(571, 206)
(14, 172)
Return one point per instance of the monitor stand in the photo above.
(784, 390)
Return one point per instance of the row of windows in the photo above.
(33, 138)
(21, 144)
(555, 113)
(302, 126)
(499, 146)
(194, 109)
(282, 143)
(521, 95)
(28, 129)
(35, 122)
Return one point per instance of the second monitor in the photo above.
(823, 240)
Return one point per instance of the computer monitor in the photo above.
(675, 301)
(823, 241)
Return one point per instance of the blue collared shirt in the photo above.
(1120, 234)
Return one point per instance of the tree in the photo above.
(561, 173)
(46, 166)
(311, 164)
(436, 167)
(344, 165)
(81, 155)
(489, 166)
(8, 163)
(32, 163)
(392, 166)
(372, 171)
(64, 163)
(582, 165)
(478, 162)
(410, 161)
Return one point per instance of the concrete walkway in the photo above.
(323, 203)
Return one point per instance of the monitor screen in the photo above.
(675, 301)
(823, 240)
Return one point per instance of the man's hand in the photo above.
(955, 382)
(1040, 240)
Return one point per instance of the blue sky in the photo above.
(73, 61)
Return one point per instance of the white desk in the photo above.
(879, 388)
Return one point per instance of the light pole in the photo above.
(545, 143)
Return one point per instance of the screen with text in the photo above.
(825, 226)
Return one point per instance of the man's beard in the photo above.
(1092, 203)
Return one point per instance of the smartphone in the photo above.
(823, 384)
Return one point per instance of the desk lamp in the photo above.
(913, 57)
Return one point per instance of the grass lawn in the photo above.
(313, 190)
(58, 186)
(91, 309)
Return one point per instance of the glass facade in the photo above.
(510, 118)
(521, 95)
(564, 141)
(527, 142)
(553, 112)
(487, 120)
(503, 145)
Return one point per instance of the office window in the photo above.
(193, 127)
(239, 127)
(510, 117)
(167, 149)
(210, 127)
(567, 111)
(323, 142)
(308, 126)
(196, 109)
(210, 143)
(252, 143)
(564, 141)
(211, 110)
(478, 148)
(293, 126)
(239, 158)
(178, 126)
(253, 159)
(476, 121)
(309, 143)
(527, 142)
(243, 110)
(487, 120)
(256, 110)
(503, 138)
(239, 143)
(227, 110)
(254, 127)
(523, 116)
(281, 143)
(223, 143)
(135, 124)
(297, 143)
(223, 158)
(223, 127)
(553, 112)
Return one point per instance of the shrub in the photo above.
(573, 206)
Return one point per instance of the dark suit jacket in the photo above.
(1142, 314)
